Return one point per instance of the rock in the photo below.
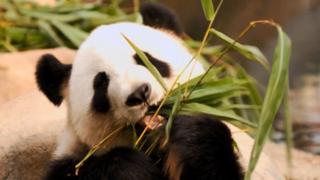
(305, 165)
(29, 126)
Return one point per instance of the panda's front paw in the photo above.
(124, 163)
(62, 169)
(120, 163)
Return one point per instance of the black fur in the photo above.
(119, 164)
(100, 101)
(63, 169)
(159, 16)
(51, 75)
(162, 67)
(140, 95)
(205, 149)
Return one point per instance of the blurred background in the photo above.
(299, 18)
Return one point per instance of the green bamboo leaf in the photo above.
(72, 7)
(250, 52)
(213, 50)
(240, 106)
(173, 112)
(288, 124)
(192, 43)
(75, 35)
(212, 74)
(47, 28)
(220, 98)
(254, 95)
(208, 9)
(251, 85)
(222, 82)
(91, 15)
(211, 89)
(210, 92)
(148, 64)
(50, 16)
(202, 108)
(273, 97)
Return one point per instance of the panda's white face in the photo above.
(110, 85)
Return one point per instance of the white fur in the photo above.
(106, 50)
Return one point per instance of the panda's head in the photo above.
(108, 84)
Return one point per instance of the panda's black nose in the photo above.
(139, 96)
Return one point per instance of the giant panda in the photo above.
(108, 86)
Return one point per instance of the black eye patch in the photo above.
(100, 101)
(161, 66)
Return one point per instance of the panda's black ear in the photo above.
(159, 16)
(52, 77)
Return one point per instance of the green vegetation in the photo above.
(25, 25)
(225, 90)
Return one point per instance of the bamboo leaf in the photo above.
(92, 15)
(75, 35)
(50, 16)
(72, 7)
(208, 9)
(240, 106)
(253, 92)
(288, 124)
(212, 74)
(202, 108)
(213, 50)
(251, 86)
(211, 89)
(173, 112)
(273, 97)
(47, 28)
(148, 64)
(250, 52)
(78, 15)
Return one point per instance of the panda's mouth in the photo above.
(150, 120)
(153, 122)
